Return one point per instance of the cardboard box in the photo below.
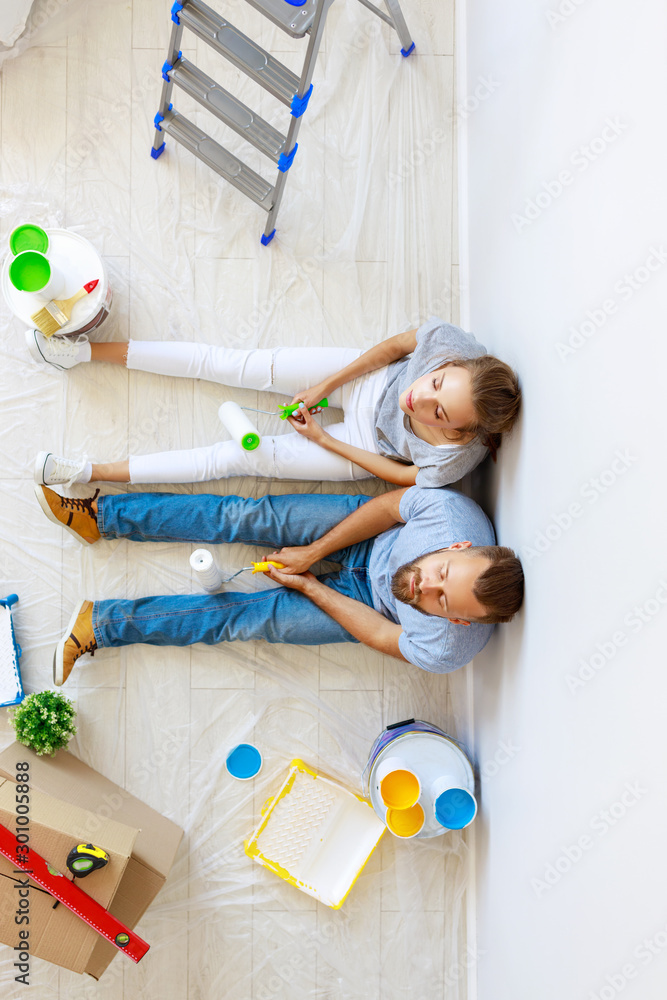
(71, 803)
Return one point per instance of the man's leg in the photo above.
(276, 615)
(296, 519)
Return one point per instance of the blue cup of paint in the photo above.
(455, 808)
(244, 761)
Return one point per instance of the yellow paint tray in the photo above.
(316, 835)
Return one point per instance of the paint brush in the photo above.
(57, 312)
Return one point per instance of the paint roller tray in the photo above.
(316, 835)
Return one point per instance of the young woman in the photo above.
(422, 407)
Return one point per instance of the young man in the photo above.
(420, 577)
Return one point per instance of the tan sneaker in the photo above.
(75, 515)
(79, 638)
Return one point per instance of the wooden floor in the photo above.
(366, 247)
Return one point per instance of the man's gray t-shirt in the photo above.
(434, 519)
(437, 343)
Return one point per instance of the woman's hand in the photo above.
(293, 581)
(311, 397)
(308, 427)
(295, 558)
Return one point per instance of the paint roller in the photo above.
(245, 433)
(238, 426)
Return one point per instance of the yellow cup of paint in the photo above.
(399, 787)
(405, 822)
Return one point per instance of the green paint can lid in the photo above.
(28, 237)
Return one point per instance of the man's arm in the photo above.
(367, 521)
(364, 623)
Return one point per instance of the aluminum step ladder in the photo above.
(297, 18)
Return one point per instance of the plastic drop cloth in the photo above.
(363, 250)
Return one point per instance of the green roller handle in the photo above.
(289, 410)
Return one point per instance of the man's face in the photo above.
(441, 584)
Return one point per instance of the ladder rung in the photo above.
(228, 108)
(296, 21)
(240, 50)
(219, 159)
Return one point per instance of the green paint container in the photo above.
(28, 237)
(30, 271)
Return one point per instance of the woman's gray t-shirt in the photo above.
(439, 465)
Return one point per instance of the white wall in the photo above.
(552, 88)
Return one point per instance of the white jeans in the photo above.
(286, 370)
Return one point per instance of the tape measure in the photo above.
(86, 858)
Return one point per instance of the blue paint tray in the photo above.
(11, 687)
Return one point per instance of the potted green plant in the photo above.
(44, 721)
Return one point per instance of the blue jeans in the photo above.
(276, 615)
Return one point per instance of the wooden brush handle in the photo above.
(66, 304)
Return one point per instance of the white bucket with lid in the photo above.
(77, 260)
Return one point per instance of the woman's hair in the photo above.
(496, 398)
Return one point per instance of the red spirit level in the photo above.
(73, 897)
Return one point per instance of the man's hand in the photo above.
(295, 559)
(293, 581)
(363, 622)
(308, 427)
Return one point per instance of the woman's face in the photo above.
(441, 399)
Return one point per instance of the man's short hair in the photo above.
(500, 587)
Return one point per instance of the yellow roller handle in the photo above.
(262, 567)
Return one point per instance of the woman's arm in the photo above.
(384, 468)
(376, 357)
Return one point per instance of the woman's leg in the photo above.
(287, 456)
(284, 370)
(109, 472)
(114, 353)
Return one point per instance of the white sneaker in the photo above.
(61, 352)
(50, 470)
